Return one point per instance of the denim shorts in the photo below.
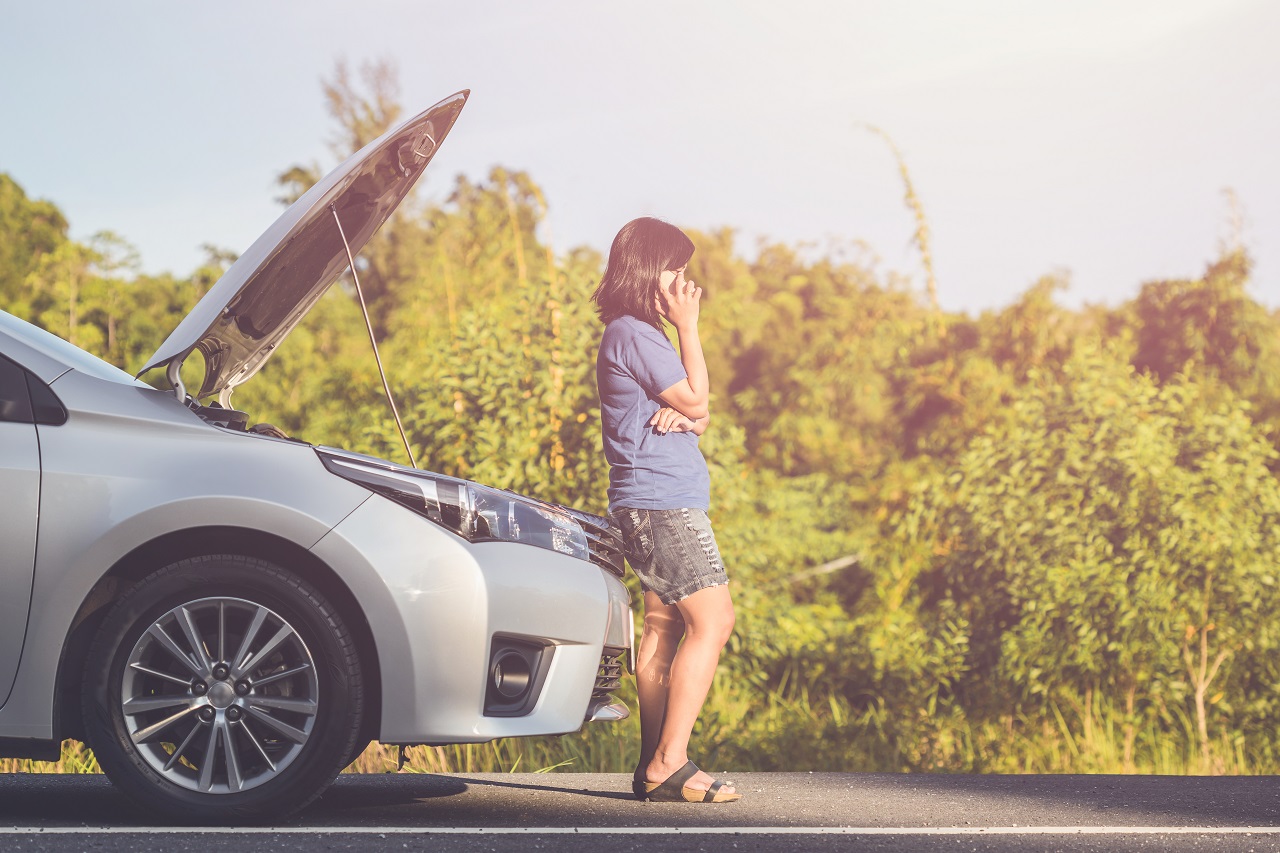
(672, 551)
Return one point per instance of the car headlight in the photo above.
(476, 513)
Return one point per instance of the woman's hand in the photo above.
(678, 300)
(669, 420)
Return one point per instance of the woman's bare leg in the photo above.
(663, 628)
(708, 622)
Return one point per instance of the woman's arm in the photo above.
(670, 420)
(691, 394)
(680, 306)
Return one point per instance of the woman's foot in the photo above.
(675, 789)
(660, 773)
(638, 780)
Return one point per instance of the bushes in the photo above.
(1116, 542)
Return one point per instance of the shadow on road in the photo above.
(560, 789)
(38, 799)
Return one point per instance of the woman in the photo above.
(653, 408)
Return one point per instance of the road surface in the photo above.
(570, 812)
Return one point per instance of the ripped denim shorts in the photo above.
(672, 551)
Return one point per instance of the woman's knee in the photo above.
(712, 617)
(721, 626)
(731, 619)
(665, 626)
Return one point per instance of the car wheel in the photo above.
(223, 687)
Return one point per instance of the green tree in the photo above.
(1212, 330)
(29, 229)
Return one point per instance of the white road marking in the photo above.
(646, 830)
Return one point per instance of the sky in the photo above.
(1093, 140)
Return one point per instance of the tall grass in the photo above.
(740, 731)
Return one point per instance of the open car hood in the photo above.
(257, 302)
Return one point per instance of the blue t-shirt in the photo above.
(647, 469)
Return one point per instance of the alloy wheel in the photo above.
(220, 695)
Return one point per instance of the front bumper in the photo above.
(434, 604)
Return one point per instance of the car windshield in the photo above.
(69, 354)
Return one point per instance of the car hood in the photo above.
(263, 295)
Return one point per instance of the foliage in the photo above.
(1116, 538)
(28, 230)
(1211, 330)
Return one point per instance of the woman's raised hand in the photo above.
(679, 301)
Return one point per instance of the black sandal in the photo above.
(674, 790)
(637, 783)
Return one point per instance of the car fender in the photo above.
(434, 603)
(102, 499)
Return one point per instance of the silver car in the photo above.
(227, 616)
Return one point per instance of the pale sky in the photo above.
(1093, 138)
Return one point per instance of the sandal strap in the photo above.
(674, 784)
(684, 774)
(710, 796)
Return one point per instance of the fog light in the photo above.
(511, 675)
(517, 668)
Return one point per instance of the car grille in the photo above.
(603, 539)
(609, 675)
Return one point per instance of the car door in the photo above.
(19, 511)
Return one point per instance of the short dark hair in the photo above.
(642, 251)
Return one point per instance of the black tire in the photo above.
(246, 603)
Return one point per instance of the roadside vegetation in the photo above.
(1038, 539)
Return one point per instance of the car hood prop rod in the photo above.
(369, 325)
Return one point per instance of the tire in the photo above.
(223, 688)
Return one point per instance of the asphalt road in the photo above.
(566, 813)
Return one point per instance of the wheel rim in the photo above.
(220, 695)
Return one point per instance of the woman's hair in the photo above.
(642, 251)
